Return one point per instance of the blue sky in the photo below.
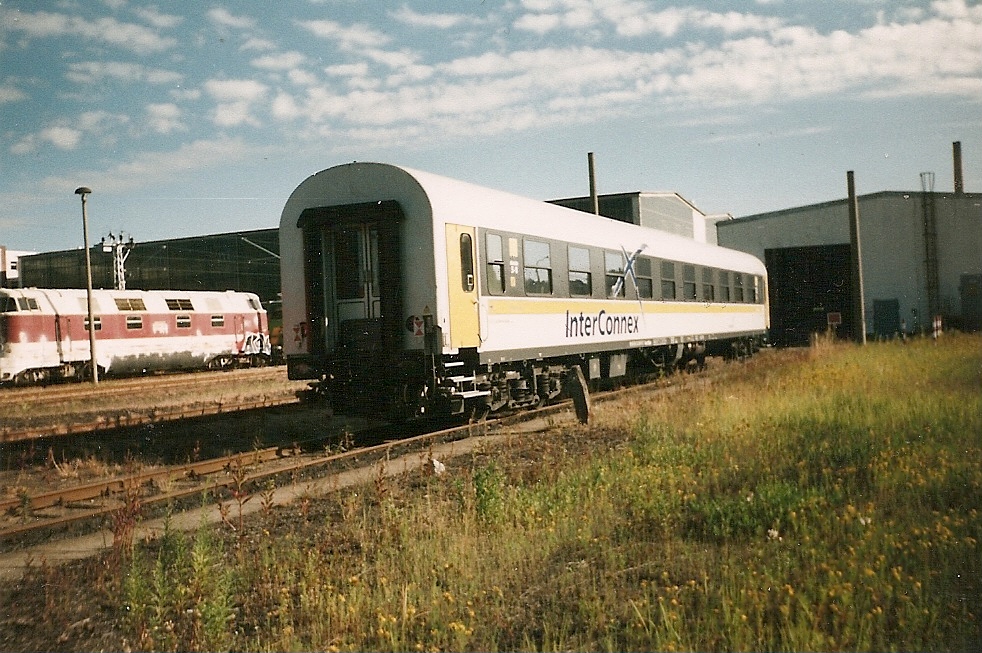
(194, 117)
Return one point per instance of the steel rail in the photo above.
(153, 416)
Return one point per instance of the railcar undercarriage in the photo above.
(427, 386)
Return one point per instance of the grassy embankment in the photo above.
(828, 504)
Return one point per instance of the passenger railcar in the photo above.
(44, 333)
(408, 293)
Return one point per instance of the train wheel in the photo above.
(31, 377)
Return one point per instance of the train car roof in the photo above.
(451, 200)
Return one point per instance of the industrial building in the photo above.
(246, 261)
(921, 258)
(9, 264)
(666, 211)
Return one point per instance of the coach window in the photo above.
(538, 268)
(724, 286)
(708, 285)
(496, 264)
(642, 277)
(614, 272)
(756, 290)
(689, 283)
(738, 295)
(580, 281)
(466, 262)
(667, 280)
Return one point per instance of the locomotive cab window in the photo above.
(580, 281)
(496, 264)
(538, 268)
(7, 304)
(466, 262)
(27, 303)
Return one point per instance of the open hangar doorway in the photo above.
(809, 292)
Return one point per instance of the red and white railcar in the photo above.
(44, 333)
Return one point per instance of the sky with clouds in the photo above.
(192, 117)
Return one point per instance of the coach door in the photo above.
(356, 272)
(462, 277)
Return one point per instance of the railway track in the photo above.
(31, 518)
(73, 409)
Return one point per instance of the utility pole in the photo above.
(856, 264)
(83, 191)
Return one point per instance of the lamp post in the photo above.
(83, 191)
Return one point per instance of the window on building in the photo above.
(667, 280)
(538, 268)
(614, 273)
(580, 280)
(495, 263)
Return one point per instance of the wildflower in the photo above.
(773, 534)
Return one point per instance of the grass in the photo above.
(812, 502)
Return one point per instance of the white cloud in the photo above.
(164, 118)
(236, 98)
(68, 135)
(282, 61)
(64, 138)
(156, 19)
(88, 72)
(439, 21)
(10, 93)
(235, 90)
(43, 24)
(223, 17)
(350, 37)
(147, 168)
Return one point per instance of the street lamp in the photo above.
(83, 191)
